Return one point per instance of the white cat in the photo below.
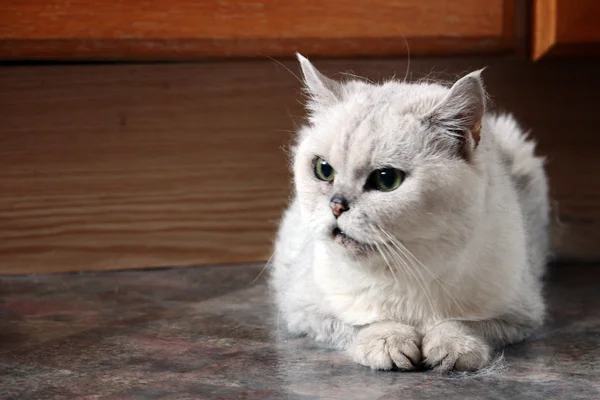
(418, 231)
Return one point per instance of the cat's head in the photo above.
(381, 163)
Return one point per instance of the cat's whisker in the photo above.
(362, 78)
(408, 58)
(405, 252)
(440, 281)
(386, 261)
(267, 264)
(421, 279)
(286, 68)
(417, 278)
(264, 268)
(410, 268)
(411, 255)
(399, 266)
(285, 131)
(401, 247)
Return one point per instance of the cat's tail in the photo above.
(529, 177)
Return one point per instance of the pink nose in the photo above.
(338, 205)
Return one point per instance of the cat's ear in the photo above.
(461, 112)
(323, 92)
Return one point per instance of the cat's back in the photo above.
(528, 176)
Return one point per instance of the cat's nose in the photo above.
(338, 205)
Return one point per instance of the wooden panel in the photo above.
(565, 27)
(184, 29)
(116, 167)
(126, 166)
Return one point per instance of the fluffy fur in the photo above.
(440, 271)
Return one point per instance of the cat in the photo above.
(417, 235)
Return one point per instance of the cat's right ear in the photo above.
(462, 111)
(322, 91)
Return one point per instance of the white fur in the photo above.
(472, 229)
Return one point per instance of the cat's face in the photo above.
(383, 163)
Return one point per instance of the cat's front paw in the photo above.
(451, 346)
(385, 345)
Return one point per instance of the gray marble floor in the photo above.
(210, 333)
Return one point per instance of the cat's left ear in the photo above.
(323, 91)
(461, 112)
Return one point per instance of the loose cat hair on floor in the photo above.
(418, 232)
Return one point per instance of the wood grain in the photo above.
(129, 166)
(187, 29)
(115, 167)
(562, 27)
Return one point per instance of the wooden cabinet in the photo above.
(189, 29)
(137, 165)
(565, 27)
(68, 30)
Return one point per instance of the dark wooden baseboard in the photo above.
(129, 166)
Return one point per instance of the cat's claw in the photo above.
(451, 347)
(389, 345)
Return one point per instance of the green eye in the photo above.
(323, 170)
(386, 179)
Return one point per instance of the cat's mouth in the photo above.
(342, 238)
(353, 245)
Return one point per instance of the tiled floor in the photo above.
(210, 332)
